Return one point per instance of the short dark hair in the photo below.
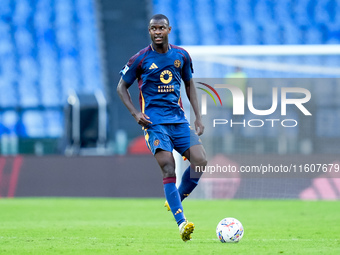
(160, 17)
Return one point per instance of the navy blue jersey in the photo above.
(159, 80)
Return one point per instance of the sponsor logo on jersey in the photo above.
(166, 88)
(166, 76)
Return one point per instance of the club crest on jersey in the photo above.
(156, 142)
(177, 63)
(166, 76)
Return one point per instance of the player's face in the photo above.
(159, 30)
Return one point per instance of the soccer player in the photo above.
(159, 69)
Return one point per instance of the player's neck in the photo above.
(163, 48)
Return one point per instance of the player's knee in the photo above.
(198, 157)
(169, 174)
(201, 161)
(168, 170)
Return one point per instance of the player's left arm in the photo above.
(192, 96)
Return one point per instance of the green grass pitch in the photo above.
(143, 226)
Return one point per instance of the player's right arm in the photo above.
(123, 92)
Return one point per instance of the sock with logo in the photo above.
(173, 198)
(187, 184)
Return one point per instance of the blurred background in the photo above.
(60, 63)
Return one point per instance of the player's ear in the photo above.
(170, 29)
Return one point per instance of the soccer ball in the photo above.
(229, 230)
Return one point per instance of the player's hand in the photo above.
(142, 119)
(199, 127)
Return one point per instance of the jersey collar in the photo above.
(169, 46)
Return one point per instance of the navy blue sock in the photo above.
(173, 198)
(187, 184)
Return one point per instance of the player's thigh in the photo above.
(196, 155)
(166, 161)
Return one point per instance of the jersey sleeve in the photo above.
(129, 71)
(187, 70)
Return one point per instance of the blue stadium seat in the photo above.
(8, 97)
(230, 35)
(34, 123)
(22, 12)
(224, 13)
(28, 81)
(7, 60)
(333, 31)
(322, 14)
(186, 22)
(281, 11)
(303, 14)
(313, 36)
(8, 77)
(10, 119)
(242, 11)
(5, 10)
(54, 123)
(263, 11)
(271, 34)
(206, 22)
(291, 34)
(249, 33)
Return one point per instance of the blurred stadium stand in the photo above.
(234, 22)
(255, 22)
(124, 30)
(47, 47)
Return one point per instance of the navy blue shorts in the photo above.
(170, 136)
